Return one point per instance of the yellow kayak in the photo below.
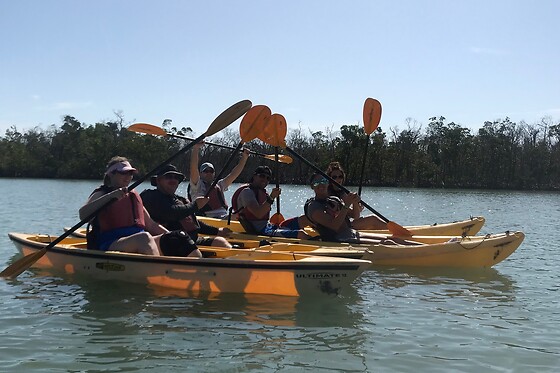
(436, 251)
(257, 272)
(467, 227)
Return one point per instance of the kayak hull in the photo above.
(482, 252)
(459, 252)
(261, 273)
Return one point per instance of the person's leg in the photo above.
(303, 236)
(273, 230)
(303, 222)
(296, 223)
(141, 243)
(291, 223)
(221, 242)
(195, 253)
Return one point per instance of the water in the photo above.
(503, 319)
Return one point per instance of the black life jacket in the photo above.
(326, 233)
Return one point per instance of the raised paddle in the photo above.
(158, 131)
(274, 134)
(394, 228)
(263, 132)
(372, 117)
(250, 126)
(226, 118)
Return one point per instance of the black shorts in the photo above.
(204, 241)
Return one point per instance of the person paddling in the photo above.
(178, 213)
(253, 203)
(201, 179)
(330, 216)
(124, 224)
(336, 172)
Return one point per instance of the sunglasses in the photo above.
(319, 182)
(264, 176)
(208, 171)
(336, 177)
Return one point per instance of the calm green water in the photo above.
(504, 319)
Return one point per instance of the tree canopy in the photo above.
(501, 155)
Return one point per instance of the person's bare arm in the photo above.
(234, 174)
(98, 200)
(194, 174)
(152, 226)
(323, 218)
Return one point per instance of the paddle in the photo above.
(158, 131)
(227, 117)
(262, 135)
(372, 117)
(393, 227)
(274, 134)
(249, 129)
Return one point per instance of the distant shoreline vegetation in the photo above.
(501, 155)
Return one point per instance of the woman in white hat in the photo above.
(122, 224)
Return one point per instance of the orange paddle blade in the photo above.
(253, 122)
(398, 230)
(275, 130)
(372, 115)
(22, 264)
(276, 219)
(150, 129)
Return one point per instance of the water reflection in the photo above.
(115, 302)
(120, 324)
(488, 283)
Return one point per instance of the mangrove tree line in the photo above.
(500, 155)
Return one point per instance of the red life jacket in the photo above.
(216, 198)
(260, 194)
(125, 212)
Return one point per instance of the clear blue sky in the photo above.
(315, 62)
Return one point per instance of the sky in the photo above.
(315, 62)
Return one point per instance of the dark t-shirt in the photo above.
(170, 210)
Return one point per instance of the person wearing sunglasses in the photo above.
(177, 213)
(336, 172)
(252, 204)
(201, 179)
(122, 223)
(331, 215)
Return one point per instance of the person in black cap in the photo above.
(330, 216)
(201, 179)
(252, 203)
(176, 213)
